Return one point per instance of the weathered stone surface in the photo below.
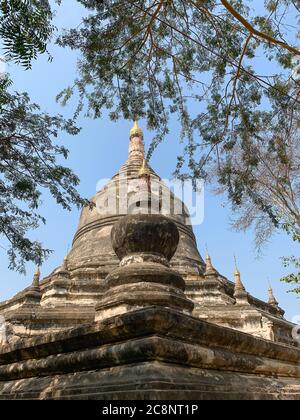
(92, 258)
(142, 233)
(174, 356)
(144, 344)
(152, 381)
(92, 240)
(144, 244)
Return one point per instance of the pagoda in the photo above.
(135, 312)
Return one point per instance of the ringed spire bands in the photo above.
(136, 144)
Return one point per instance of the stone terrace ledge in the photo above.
(151, 353)
(143, 343)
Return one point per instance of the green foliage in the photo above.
(293, 278)
(231, 89)
(28, 166)
(29, 150)
(25, 28)
(156, 59)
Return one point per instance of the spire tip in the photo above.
(136, 130)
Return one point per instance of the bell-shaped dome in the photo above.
(92, 243)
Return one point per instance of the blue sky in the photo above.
(98, 152)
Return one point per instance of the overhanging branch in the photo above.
(255, 32)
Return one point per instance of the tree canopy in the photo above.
(29, 144)
(228, 71)
(210, 64)
(25, 29)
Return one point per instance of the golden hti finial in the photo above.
(136, 130)
(144, 171)
(236, 269)
(272, 300)
(206, 249)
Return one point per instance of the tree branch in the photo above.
(255, 32)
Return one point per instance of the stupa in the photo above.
(135, 312)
